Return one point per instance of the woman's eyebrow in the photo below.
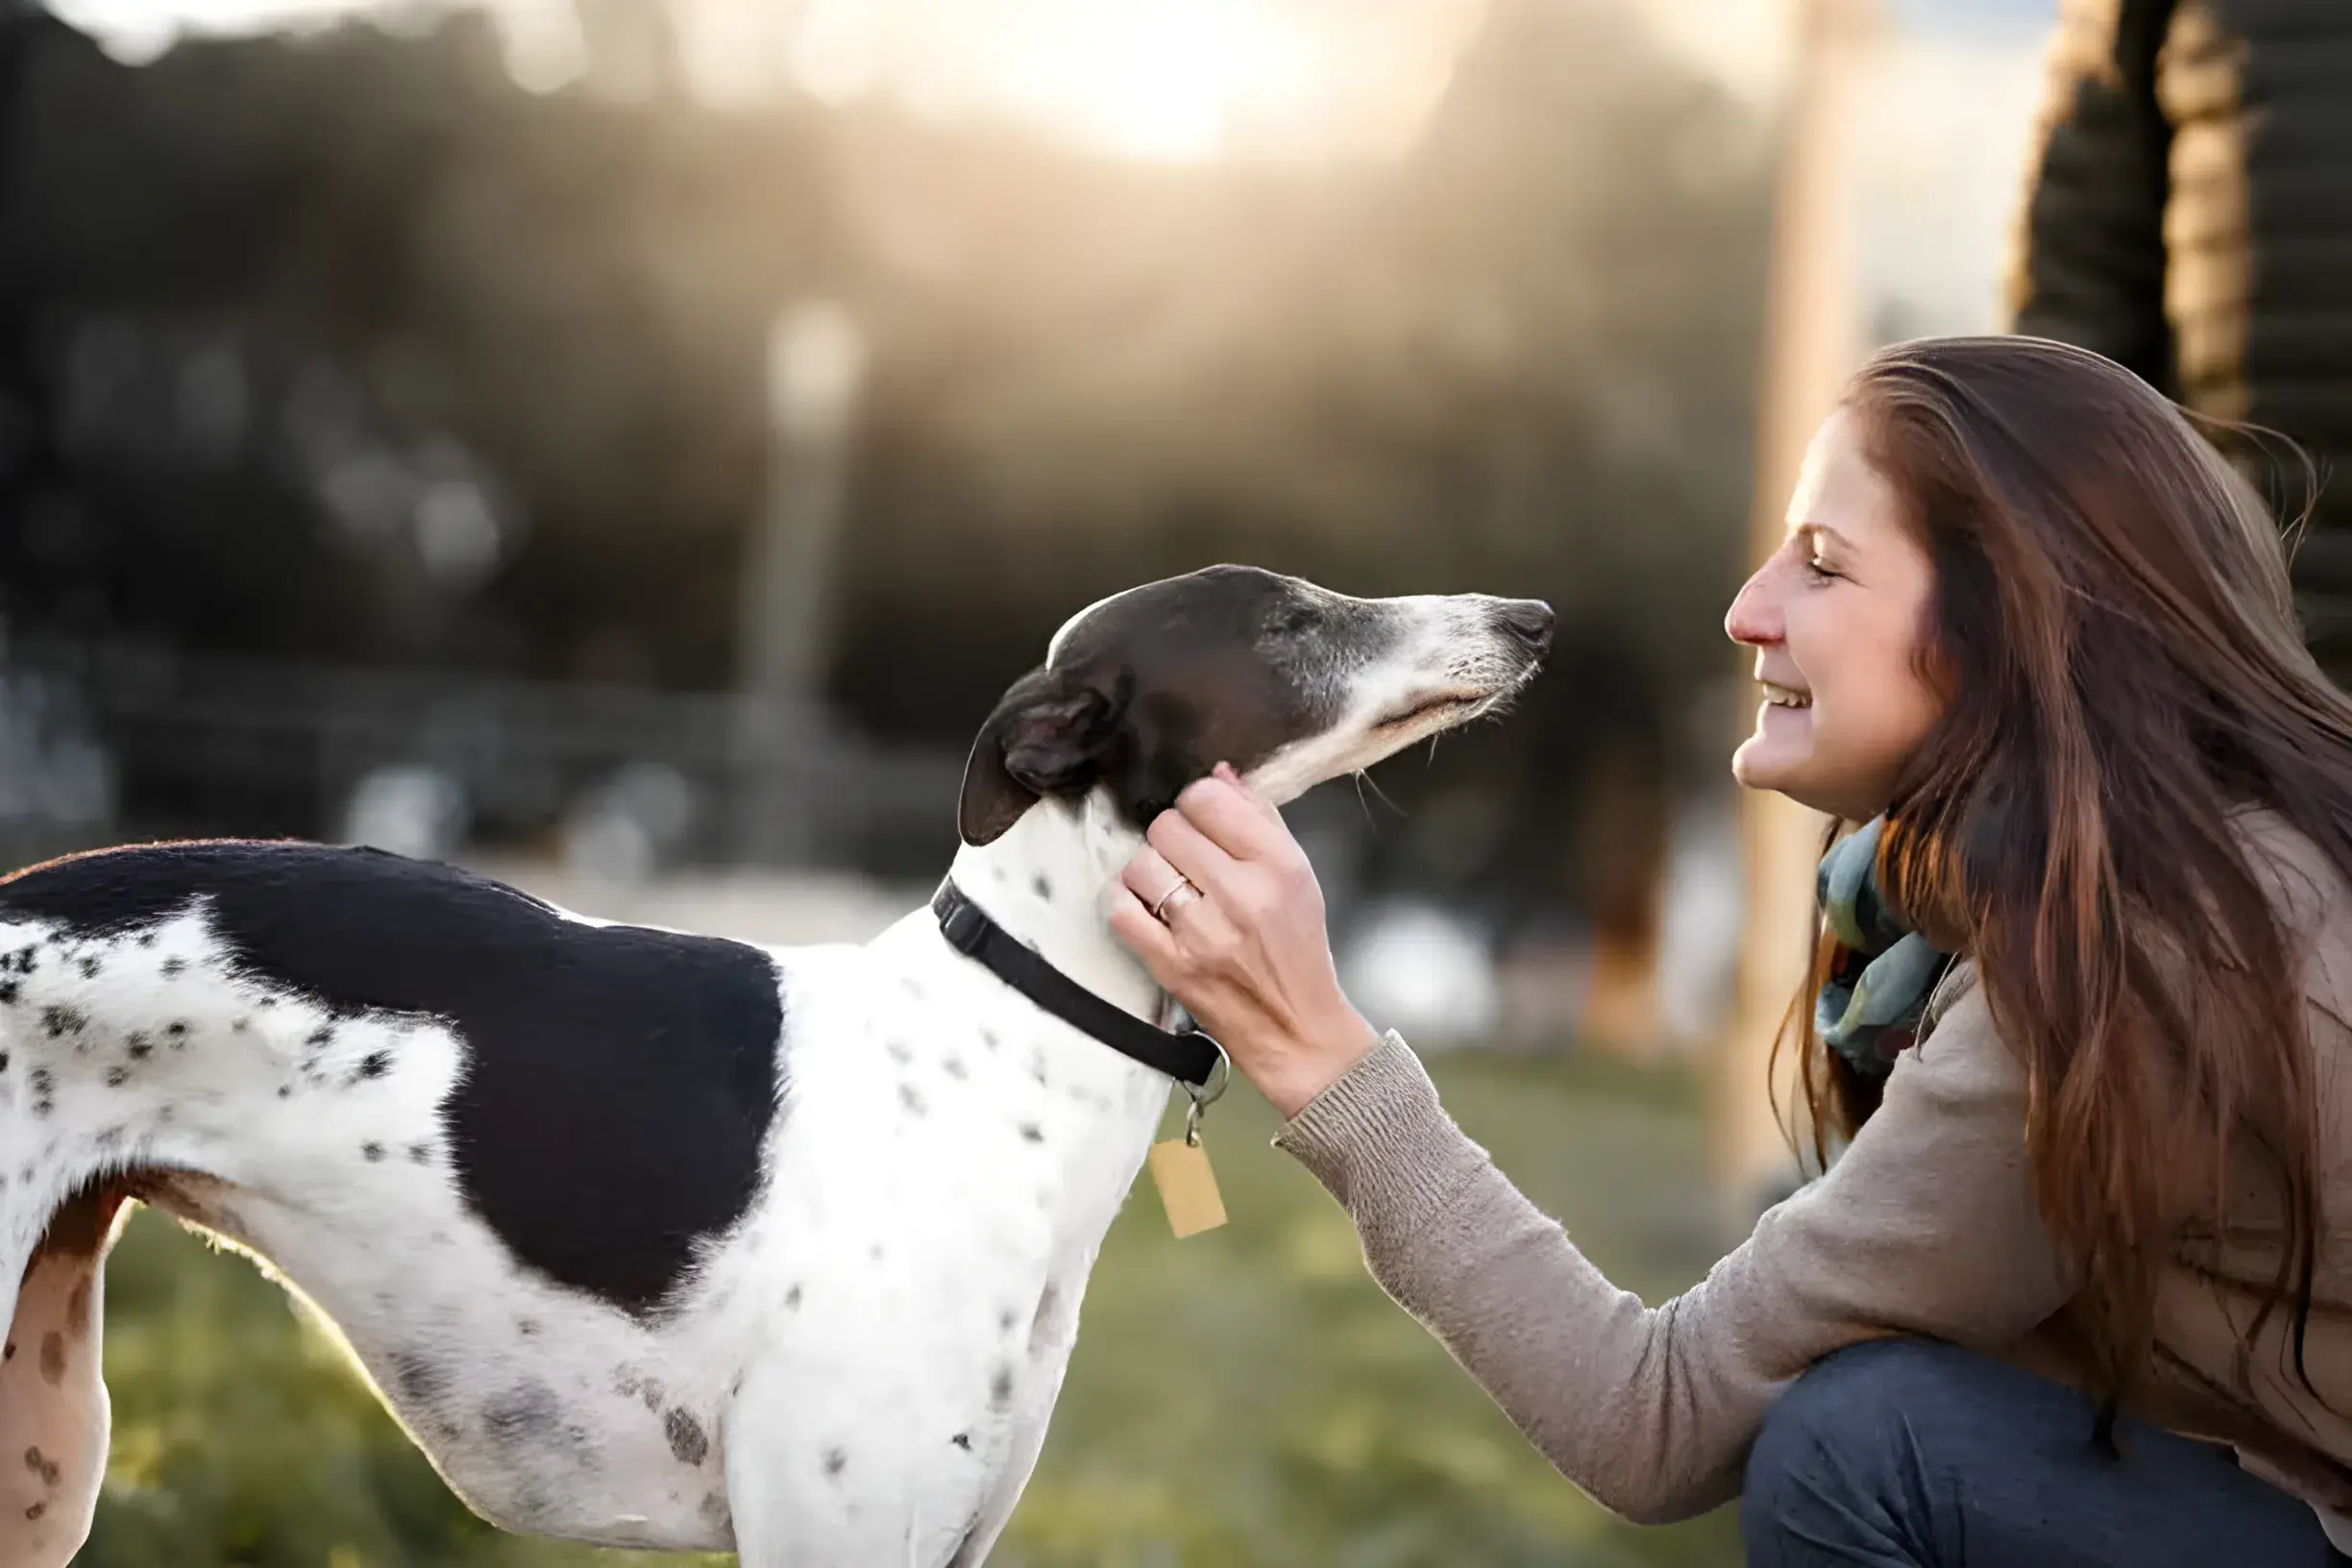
(1822, 530)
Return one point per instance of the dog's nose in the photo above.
(1526, 622)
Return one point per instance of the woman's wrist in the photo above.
(1309, 1067)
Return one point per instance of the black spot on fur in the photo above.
(417, 1378)
(954, 1067)
(1042, 888)
(420, 1153)
(1031, 1131)
(620, 1082)
(961, 1440)
(138, 1045)
(285, 1091)
(897, 1051)
(526, 1326)
(174, 968)
(8, 993)
(834, 1462)
(1001, 1388)
(792, 1299)
(4, 1061)
(1005, 1319)
(89, 968)
(686, 1439)
(911, 1099)
(320, 1038)
(116, 1077)
(241, 1025)
(44, 1087)
(60, 1021)
(177, 1031)
(988, 1038)
(373, 1151)
(146, 939)
(374, 1065)
(526, 1414)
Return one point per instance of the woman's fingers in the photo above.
(1228, 814)
(1133, 923)
(1148, 876)
(1194, 854)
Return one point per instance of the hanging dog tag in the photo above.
(1187, 1187)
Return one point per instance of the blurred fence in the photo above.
(103, 741)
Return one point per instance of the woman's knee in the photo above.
(1839, 1451)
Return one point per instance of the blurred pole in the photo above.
(1812, 342)
(815, 370)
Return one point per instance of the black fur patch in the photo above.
(619, 1080)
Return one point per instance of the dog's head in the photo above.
(1291, 683)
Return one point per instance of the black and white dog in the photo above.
(654, 1239)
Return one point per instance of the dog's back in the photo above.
(492, 1140)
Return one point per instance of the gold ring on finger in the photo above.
(1175, 899)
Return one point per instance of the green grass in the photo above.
(1243, 1398)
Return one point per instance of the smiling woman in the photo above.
(1840, 619)
(2083, 1013)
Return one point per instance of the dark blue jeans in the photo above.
(1911, 1454)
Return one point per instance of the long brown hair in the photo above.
(2114, 633)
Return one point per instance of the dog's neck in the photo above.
(1043, 880)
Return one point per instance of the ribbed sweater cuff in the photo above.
(1380, 1142)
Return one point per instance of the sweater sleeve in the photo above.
(1925, 1225)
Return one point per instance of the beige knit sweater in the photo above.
(1925, 1225)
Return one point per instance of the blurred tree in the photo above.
(345, 347)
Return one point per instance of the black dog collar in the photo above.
(1190, 1057)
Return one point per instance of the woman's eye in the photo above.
(1818, 573)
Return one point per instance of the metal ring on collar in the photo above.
(1219, 1075)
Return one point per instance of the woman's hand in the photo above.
(1248, 958)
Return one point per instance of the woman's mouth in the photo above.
(1786, 696)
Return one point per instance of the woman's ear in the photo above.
(1047, 736)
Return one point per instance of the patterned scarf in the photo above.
(1882, 972)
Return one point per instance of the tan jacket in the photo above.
(1925, 1225)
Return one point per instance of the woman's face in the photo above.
(1837, 619)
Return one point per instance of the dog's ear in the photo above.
(1048, 736)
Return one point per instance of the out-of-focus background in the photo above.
(627, 445)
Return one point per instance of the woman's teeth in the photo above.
(1783, 696)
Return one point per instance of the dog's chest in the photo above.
(942, 1172)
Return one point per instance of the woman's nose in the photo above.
(1753, 620)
